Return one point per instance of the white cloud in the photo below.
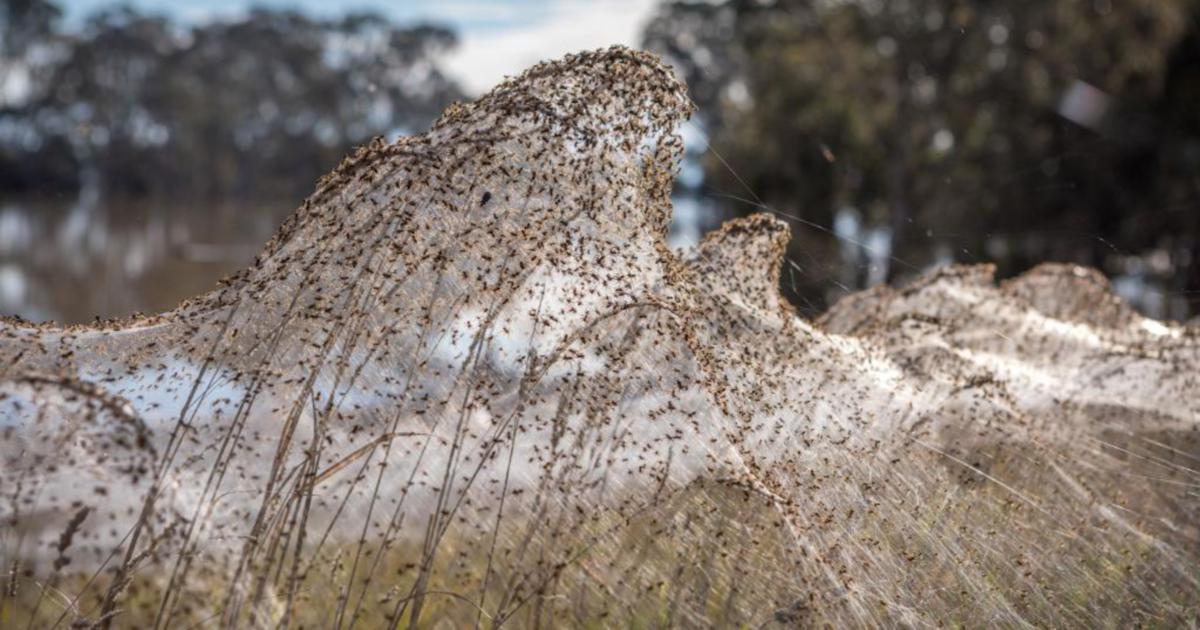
(497, 37)
(483, 59)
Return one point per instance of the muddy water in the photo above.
(72, 262)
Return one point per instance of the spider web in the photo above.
(468, 383)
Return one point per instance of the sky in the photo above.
(497, 37)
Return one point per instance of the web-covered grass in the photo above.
(468, 384)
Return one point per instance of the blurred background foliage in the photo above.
(253, 107)
(156, 155)
(904, 133)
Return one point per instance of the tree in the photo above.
(255, 107)
(97, 99)
(968, 130)
(23, 25)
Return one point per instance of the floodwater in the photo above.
(72, 262)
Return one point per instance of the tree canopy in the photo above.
(256, 106)
(962, 130)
